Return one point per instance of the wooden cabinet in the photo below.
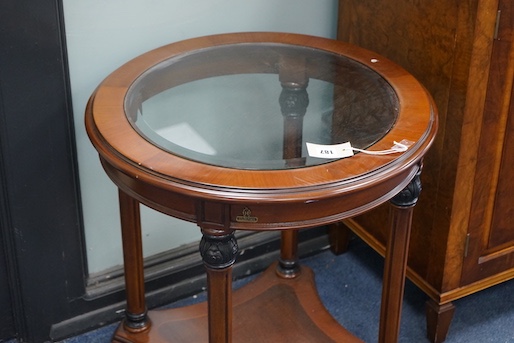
(463, 230)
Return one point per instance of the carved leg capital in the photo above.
(410, 194)
(218, 252)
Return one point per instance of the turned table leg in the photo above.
(288, 266)
(397, 250)
(136, 313)
(218, 250)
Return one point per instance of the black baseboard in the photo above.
(177, 274)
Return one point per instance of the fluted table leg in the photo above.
(397, 251)
(136, 313)
(219, 251)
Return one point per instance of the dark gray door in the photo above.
(6, 311)
(40, 237)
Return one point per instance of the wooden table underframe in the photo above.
(221, 200)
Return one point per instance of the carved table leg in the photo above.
(397, 250)
(136, 313)
(218, 250)
(439, 318)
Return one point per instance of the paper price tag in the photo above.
(330, 151)
(346, 150)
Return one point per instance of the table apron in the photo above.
(260, 214)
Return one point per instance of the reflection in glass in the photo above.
(231, 107)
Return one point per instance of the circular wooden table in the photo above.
(213, 130)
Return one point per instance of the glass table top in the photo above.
(256, 105)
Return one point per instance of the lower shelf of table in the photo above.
(269, 309)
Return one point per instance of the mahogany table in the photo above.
(213, 130)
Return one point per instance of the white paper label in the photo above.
(346, 150)
(330, 151)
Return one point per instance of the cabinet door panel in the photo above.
(491, 229)
(502, 231)
(502, 225)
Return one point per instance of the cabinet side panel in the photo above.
(433, 41)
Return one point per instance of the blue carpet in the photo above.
(350, 287)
